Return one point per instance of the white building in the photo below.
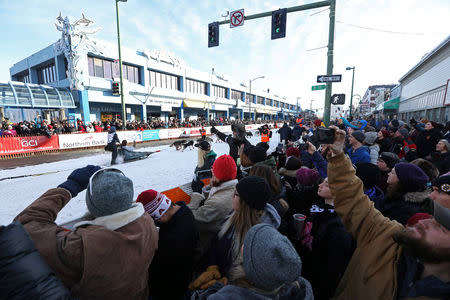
(425, 88)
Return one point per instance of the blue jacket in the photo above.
(360, 155)
(24, 273)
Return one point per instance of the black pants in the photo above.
(113, 148)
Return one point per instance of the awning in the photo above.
(392, 104)
(190, 103)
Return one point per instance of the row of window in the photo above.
(23, 77)
(163, 80)
(46, 74)
(108, 69)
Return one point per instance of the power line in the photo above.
(381, 30)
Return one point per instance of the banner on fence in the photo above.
(150, 135)
(17, 145)
(130, 136)
(81, 140)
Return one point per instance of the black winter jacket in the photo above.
(426, 141)
(401, 208)
(285, 133)
(233, 143)
(24, 273)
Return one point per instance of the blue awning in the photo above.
(26, 95)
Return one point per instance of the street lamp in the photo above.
(124, 114)
(351, 95)
(250, 100)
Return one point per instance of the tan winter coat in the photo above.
(372, 271)
(109, 260)
(212, 214)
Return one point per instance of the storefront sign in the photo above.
(17, 145)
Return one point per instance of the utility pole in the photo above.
(124, 113)
(250, 100)
(351, 94)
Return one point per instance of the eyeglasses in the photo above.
(101, 171)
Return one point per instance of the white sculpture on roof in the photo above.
(75, 43)
(163, 56)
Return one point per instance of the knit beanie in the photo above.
(317, 122)
(255, 153)
(411, 177)
(385, 133)
(442, 215)
(370, 137)
(359, 135)
(239, 129)
(292, 163)
(155, 203)
(395, 123)
(263, 145)
(416, 218)
(368, 173)
(443, 184)
(293, 151)
(307, 177)
(390, 158)
(269, 258)
(112, 192)
(254, 190)
(224, 168)
(404, 132)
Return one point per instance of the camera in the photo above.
(324, 135)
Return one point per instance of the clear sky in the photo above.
(396, 35)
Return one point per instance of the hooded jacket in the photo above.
(374, 268)
(402, 207)
(93, 260)
(359, 155)
(426, 141)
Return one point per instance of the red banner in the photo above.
(16, 145)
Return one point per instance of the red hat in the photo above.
(293, 151)
(155, 203)
(317, 122)
(385, 133)
(224, 168)
(416, 218)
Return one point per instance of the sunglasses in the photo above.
(99, 172)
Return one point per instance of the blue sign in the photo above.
(150, 135)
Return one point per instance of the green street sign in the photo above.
(318, 87)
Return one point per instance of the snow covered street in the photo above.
(161, 171)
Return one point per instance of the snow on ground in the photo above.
(160, 171)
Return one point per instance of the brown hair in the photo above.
(269, 176)
(427, 167)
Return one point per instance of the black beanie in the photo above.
(255, 153)
(368, 173)
(390, 158)
(255, 191)
(292, 163)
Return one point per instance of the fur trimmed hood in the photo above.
(417, 197)
(286, 172)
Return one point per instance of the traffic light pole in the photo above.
(124, 114)
(332, 4)
(327, 108)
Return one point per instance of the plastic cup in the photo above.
(299, 222)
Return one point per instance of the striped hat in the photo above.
(155, 203)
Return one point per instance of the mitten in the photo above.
(211, 273)
(214, 130)
(79, 179)
(197, 186)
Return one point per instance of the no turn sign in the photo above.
(237, 18)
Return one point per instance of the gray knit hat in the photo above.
(111, 192)
(370, 137)
(404, 132)
(269, 258)
(359, 135)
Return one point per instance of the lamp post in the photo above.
(351, 94)
(250, 100)
(124, 113)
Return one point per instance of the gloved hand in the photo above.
(79, 179)
(214, 130)
(197, 186)
(204, 280)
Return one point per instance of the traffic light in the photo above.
(115, 88)
(279, 23)
(213, 34)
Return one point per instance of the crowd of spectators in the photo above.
(308, 220)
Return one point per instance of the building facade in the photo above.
(425, 87)
(156, 83)
(374, 97)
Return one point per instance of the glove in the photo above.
(204, 280)
(214, 130)
(197, 186)
(79, 179)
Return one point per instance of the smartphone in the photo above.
(324, 135)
